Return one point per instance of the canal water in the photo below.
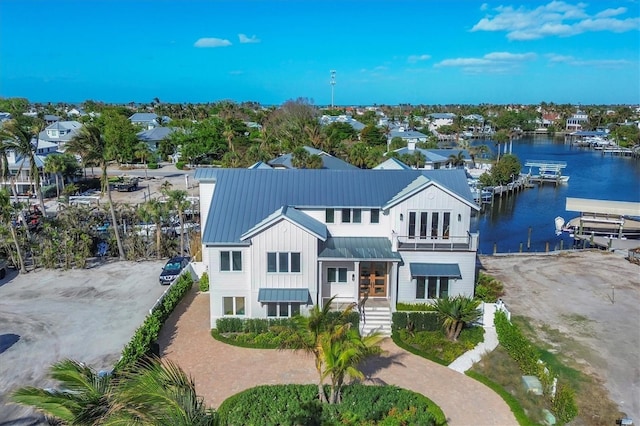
(506, 225)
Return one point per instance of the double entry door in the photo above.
(373, 279)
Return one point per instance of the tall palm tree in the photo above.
(456, 160)
(91, 146)
(55, 165)
(7, 213)
(20, 142)
(157, 212)
(84, 398)
(342, 351)
(178, 200)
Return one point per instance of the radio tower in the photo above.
(333, 83)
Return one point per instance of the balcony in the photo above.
(467, 242)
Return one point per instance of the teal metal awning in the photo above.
(299, 295)
(358, 248)
(451, 270)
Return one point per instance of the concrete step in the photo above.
(377, 319)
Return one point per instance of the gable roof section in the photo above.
(392, 164)
(143, 117)
(292, 215)
(155, 134)
(245, 197)
(328, 161)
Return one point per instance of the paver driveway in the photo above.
(221, 370)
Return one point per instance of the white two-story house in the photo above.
(277, 242)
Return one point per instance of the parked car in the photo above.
(172, 269)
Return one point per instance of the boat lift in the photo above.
(548, 171)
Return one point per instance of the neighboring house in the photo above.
(325, 120)
(4, 116)
(436, 158)
(438, 119)
(260, 165)
(76, 112)
(50, 119)
(147, 120)
(154, 136)
(575, 122)
(328, 161)
(275, 243)
(19, 168)
(58, 133)
(392, 164)
(407, 136)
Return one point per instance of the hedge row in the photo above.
(262, 325)
(148, 332)
(415, 321)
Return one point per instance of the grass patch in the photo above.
(268, 340)
(435, 346)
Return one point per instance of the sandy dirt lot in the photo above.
(88, 315)
(592, 296)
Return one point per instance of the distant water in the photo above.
(592, 175)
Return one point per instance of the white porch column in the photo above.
(393, 277)
(319, 302)
(356, 274)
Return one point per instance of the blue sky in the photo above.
(383, 52)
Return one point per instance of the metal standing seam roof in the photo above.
(245, 197)
(365, 248)
(451, 270)
(302, 220)
(328, 161)
(300, 295)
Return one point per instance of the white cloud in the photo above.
(244, 39)
(494, 62)
(600, 63)
(556, 18)
(212, 42)
(412, 59)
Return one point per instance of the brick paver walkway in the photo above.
(221, 370)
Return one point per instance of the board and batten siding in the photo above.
(465, 260)
(363, 229)
(283, 237)
(227, 283)
(346, 290)
(433, 199)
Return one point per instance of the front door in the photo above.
(373, 279)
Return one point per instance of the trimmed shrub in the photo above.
(488, 289)
(203, 285)
(420, 307)
(298, 404)
(517, 345)
(180, 165)
(152, 166)
(415, 321)
(564, 404)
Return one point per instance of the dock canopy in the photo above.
(586, 205)
(299, 295)
(451, 270)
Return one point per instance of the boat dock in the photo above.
(612, 220)
(548, 171)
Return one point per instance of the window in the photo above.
(423, 225)
(434, 225)
(231, 261)
(346, 215)
(283, 262)
(433, 287)
(233, 305)
(412, 224)
(271, 262)
(337, 275)
(375, 216)
(329, 215)
(357, 215)
(446, 219)
(295, 262)
(283, 309)
(420, 287)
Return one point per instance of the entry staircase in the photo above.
(377, 317)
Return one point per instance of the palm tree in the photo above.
(84, 398)
(299, 158)
(456, 160)
(358, 155)
(90, 145)
(55, 165)
(157, 212)
(455, 313)
(178, 200)
(7, 213)
(159, 392)
(342, 352)
(20, 142)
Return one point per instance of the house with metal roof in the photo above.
(147, 120)
(58, 133)
(152, 137)
(285, 161)
(277, 242)
(436, 158)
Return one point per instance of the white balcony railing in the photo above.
(467, 242)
